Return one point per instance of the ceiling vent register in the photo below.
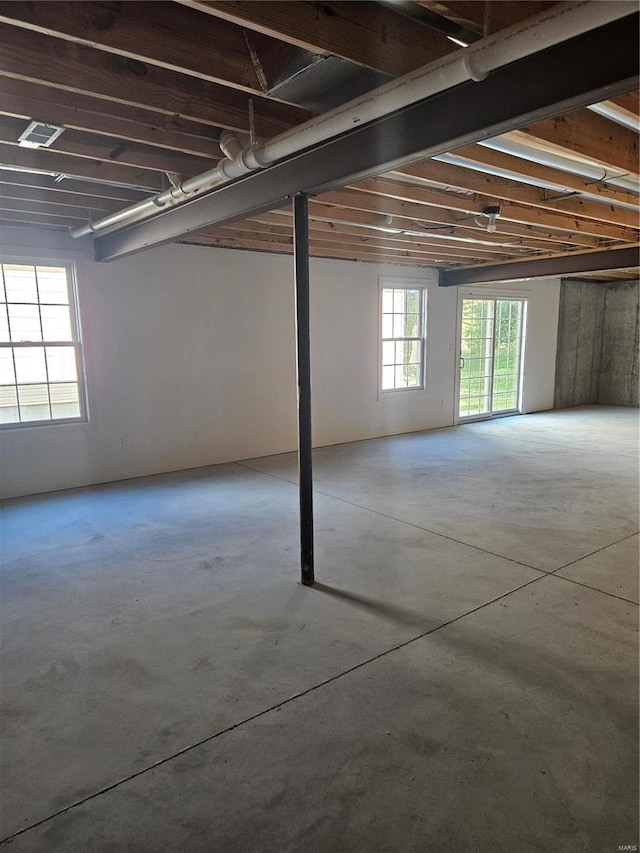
(39, 135)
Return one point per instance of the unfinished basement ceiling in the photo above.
(144, 89)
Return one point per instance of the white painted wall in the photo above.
(190, 356)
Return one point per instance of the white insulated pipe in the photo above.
(564, 162)
(484, 169)
(475, 62)
(615, 113)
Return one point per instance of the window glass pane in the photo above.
(7, 374)
(34, 402)
(412, 373)
(61, 363)
(399, 377)
(388, 351)
(387, 301)
(56, 323)
(411, 327)
(20, 283)
(398, 301)
(4, 323)
(412, 302)
(24, 321)
(65, 400)
(8, 404)
(52, 285)
(30, 366)
(398, 325)
(387, 325)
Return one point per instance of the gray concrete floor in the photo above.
(463, 678)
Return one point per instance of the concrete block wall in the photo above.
(619, 355)
(597, 352)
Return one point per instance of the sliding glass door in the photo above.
(490, 357)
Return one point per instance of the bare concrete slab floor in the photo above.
(168, 685)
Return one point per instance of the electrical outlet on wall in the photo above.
(124, 441)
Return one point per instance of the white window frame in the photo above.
(76, 342)
(389, 283)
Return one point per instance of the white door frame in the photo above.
(488, 292)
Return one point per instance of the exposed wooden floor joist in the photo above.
(145, 88)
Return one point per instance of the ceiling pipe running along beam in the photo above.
(566, 77)
(563, 162)
(524, 179)
(476, 62)
(617, 114)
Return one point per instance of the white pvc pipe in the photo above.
(617, 114)
(565, 163)
(475, 62)
(535, 182)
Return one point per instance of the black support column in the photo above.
(305, 472)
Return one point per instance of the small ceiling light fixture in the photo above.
(459, 42)
(492, 212)
(39, 135)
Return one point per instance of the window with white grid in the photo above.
(403, 337)
(41, 377)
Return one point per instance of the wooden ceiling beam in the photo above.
(36, 209)
(589, 135)
(471, 13)
(166, 34)
(327, 254)
(363, 240)
(78, 167)
(468, 206)
(11, 216)
(629, 102)
(54, 62)
(340, 231)
(611, 275)
(415, 211)
(107, 118)
(365, 32)
(221, 236)
(10, 180)
(370, 210)
(336, 231)
(9, 193)
(484, 156)
(76, 143)
(505, 189)
(466, 235)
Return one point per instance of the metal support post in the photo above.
(305, 473)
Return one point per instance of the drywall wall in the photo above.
(190, 357)
(597, 351)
